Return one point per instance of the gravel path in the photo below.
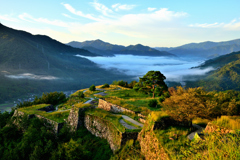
(132, 121)
(127, 125)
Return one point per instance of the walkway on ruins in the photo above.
(130, 120)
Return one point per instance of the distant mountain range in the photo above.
(36, 63)
(205, 50)
(106, 49)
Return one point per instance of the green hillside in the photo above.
(225, 77)
(49, 64)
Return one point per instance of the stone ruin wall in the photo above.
(47, 122)
(118, 109)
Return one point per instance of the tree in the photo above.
(153, 80)
(92, 88)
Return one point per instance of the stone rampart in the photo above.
(76, 117)
(105, 129)
(112, 107)
(18, 115)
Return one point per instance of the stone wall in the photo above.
(112, 107)
(51, 124)
(76, 117)
(214, 128)
(47, 122)
(150, 146)
(105, 129)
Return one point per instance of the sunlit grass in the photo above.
(114, 119)
(158, 115)
(57, 116)
(229, 122)
(200, 121)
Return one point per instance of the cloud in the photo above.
(68, 16)
(79, 13)
(31, 76)
(8, 18)
(206, 25)
(173, 69)
(119, 6)
(233, 25)
(101, 8)
(29, 18)
(151, 9)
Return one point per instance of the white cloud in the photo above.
(206, 25)
(151, 9)
(8, 18)
(31, 76)
(233, 25)
(173, 69)
(101, 8)
(68, 16)
(119, 6)
(79, 13)
(30, 18)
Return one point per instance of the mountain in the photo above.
(226, 75)
(107, 49)
(37, 63)
(98, 44)
(204, 50)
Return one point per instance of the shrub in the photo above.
(161, 98)
(152, 103)
(92, 88)
(105, 85)
(80, 94)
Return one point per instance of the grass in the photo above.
(158, 115)
(127, 94)
(229, 122)
(173, 140)
(114, 119)
(72, 101)
(81, 105)
(55, 116)
(200, 121)
(215, 146)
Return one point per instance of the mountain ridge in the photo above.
(105, 48)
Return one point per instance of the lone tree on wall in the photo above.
(153, 80)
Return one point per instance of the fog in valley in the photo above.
(174, 69)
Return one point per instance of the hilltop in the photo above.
(111, 111)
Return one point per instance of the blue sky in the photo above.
(156, 23)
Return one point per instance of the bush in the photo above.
(152, 103)
(161, 98)
(53, 98)
(105, 85)
(92, 88)
(80, 94)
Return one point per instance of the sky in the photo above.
(155, 23)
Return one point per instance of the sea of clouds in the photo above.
(174, 69)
